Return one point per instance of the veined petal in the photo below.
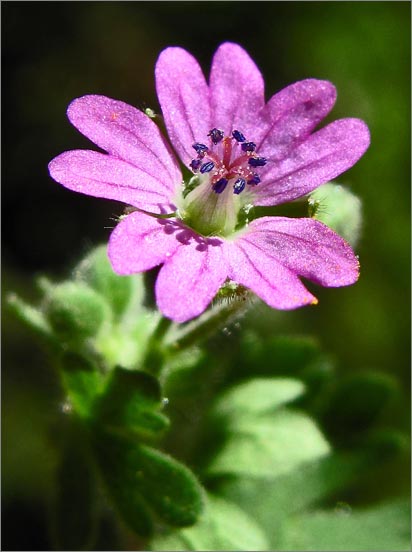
(184, 98)
(236, 90)
(140, 242)
(322, 157)
(101, 175)
(307, 247)
(190, 279)
(254, 268)
(292, 114)
(126, 132)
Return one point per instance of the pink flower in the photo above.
(240, 152)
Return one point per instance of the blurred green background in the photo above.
(56, 51)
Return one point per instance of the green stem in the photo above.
(207, 324)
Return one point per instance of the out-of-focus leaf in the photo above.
(74, 512)
(282, 355)
(257, 396)
(131, 402)
(357, 402)
(383, 527)
(82, 380)
(31, 316)
(268, 446)
(143, 481)
(223, 526)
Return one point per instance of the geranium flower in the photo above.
(240, 152)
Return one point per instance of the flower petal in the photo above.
(188, 282)
(307, 247)
(184, 98)
(101, 175)
(322, 157)
(278, 286)
(292, 114)
(126, 132)
(140, 242)
(236, 90)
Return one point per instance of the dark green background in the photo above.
(54, 52)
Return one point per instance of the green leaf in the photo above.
(257, 396)
(383, 527)
(282, 355)
(338, 208)
(95, 270)
(74, 512)
(131, 402)
(82, 381)
(270, 445)
(223, 526)
(271, 501)
(75, 312)
(143, 481)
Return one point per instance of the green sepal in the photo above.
(145, 483)
(131, 402)
(95, 271)
(338, 208)
(75, 312)
(82, 380)
(32, 317)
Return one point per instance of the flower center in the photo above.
(231, 160)
(211, 201)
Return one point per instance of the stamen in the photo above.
(220, 185)
(254, 180)
(207, 167)
(239, 186)
(195, 164)
(201, 149)
(257, 161)
(216, 135)
(248, 146)
(238, 136)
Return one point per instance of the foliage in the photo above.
(280, 442)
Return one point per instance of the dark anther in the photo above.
(216, 135)
(195, 164)
(238, 136)
(239, 185)
(257, 161)
(220, 185)
(207, 167)
(254, 180)
(248, 146)
(200, 148)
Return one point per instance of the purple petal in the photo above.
(292, 114)
(101, 175)
(188, 282)
(184, 98)
(126, 132)
(306, 247)
(236, 90)
(140, 242)
(278, 286)
(322, 157)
